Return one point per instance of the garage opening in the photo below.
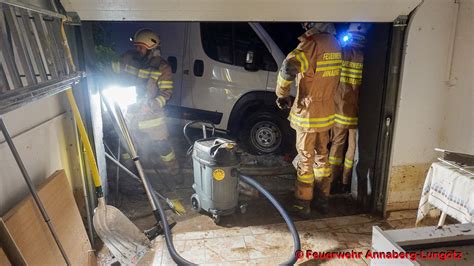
(213, 82)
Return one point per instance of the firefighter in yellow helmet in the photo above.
(152, 76)
(315, 65)
(347, 105)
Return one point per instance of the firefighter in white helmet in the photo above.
(347, 105)
(152, 76)
(314, 65)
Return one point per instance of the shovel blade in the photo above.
(123, 238)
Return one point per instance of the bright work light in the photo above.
(123, 96)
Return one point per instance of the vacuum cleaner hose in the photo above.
(160, 214)
(281, 210)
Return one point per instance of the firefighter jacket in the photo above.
(152, 77)
(347, 93)
(316, 65)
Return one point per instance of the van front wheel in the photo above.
(265, 132)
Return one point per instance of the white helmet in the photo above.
(358, 33)
(361, 28)
(320, 27)
(146, 38)
(325, 27)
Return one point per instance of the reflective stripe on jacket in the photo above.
(152, 77)
(347, 93)
(315, 65)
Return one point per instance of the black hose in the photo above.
(185, 129)
(160, 214)
(281, 210)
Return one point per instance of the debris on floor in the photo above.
(257, 237)
(268, 244)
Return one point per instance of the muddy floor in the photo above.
(278, 176)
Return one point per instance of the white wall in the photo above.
(435, 105)
(458, 122)
(43, 135)
(421, 109)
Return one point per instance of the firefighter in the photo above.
(152, 77)
(347, 106)
(315, 64)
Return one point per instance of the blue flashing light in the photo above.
(346, 39)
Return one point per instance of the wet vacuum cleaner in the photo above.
(215, 164)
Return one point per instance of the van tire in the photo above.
(266, 132)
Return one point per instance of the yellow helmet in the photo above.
(146, 38)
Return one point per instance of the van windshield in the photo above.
(285, 35)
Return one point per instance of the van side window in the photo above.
(285, 35)
(217, 41)
(229, 43)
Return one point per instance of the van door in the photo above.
(172, 36)
(220, 71)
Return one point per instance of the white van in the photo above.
(225, 73)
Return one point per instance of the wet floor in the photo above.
(129, 195)
(256, 237)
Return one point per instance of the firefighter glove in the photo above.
(283, 103)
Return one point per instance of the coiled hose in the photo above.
(291, 226)
(281, 210)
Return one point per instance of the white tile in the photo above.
(194, 251)
(322, 241)
(268, 245)
(166, 258)
(267, 261)
(154, 256)
(226, 249)
(228, 232)
(194, 235)
(269, 229)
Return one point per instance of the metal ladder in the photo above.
(32, 56)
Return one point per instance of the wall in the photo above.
(43, 134)
(458, 124)
(429, 110)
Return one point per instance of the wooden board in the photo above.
(9, 246)
(32, 236)
(4, 261)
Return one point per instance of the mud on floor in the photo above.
(128, 195)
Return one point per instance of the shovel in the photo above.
(158, 211)
(124, 240)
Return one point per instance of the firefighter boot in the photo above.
(179, 179)
(320, 205)
(303, 196)
(346, 188)
(320, 201)
(301, 208)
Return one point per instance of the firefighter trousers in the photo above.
(312, 164)
(341, 164)
(150, 133)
